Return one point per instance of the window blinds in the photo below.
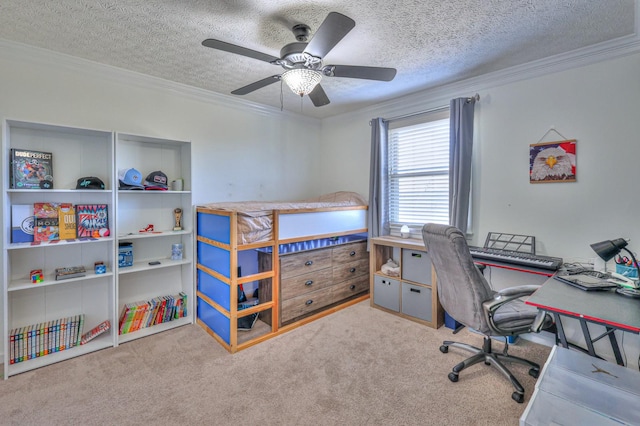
(418, 173)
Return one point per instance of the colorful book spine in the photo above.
(44, 338)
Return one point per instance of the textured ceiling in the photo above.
(429, 42)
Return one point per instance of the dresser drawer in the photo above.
(350, 288)
(304, 262)
(349, 270)
(305, 283)
(306, 303)
(350, 252)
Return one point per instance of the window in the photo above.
(418, 171)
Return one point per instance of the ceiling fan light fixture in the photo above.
(301, 81)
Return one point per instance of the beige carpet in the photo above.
(359, 366)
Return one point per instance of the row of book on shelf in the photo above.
(138, 315)
(49, 337)
(41, 222)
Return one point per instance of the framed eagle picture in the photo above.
(552, 162)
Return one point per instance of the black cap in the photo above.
(90, 182)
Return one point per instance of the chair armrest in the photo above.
(522, 290)
(507, 295)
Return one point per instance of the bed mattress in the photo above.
(255, 218)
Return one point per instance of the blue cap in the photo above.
(130, 179)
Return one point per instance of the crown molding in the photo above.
(441, 95)
(38, 56)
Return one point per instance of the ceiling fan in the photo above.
(302, 60)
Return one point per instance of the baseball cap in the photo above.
(156, 181)
(90, 182)
(130, 179)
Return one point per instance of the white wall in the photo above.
(239, 152)
(598, 105)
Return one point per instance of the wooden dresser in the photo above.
(315, 280)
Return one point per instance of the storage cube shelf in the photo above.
(80, 153)
(414, 293)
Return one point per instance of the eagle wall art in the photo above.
(552, 162)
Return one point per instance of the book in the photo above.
(101, 328)
(45, 222)
(92, 220)
(22, 223)
(31, 169)
(70, 272)
(66, 221)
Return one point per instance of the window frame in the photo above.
(391, 173)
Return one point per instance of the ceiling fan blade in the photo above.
(369, 73)
(330, 32)
(238, 50)
(318, 97)
(256, 85)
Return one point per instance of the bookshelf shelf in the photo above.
(158, 328)
(143, 266)
(156, 234)
(94, 345)
(24, 284)
(58, 243)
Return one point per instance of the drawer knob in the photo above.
(352, 270)
(352, 287)
(308, 302)
(353, 253)
(415, 290)
(309, 262)
(309, 282)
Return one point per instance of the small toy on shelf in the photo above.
(36, 276)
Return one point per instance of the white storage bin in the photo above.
(386, 292)
(416, 266)
(416, 301)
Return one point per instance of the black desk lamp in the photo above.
(608, 249)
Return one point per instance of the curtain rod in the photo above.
(474, 98)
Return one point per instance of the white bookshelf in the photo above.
(78, 153)
(138, 209)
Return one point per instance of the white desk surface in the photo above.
(577, 389)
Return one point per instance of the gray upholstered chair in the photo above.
(466, 296)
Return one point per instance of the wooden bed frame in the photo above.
(218, 278)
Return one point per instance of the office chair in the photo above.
(466, 296)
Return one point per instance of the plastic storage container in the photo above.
(125, 254)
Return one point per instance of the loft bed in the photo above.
(229, 233)
(330, 214)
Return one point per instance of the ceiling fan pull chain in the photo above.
(281, 97)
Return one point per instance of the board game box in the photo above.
(46, 226)
(67, 221)
(22, 223)
(92, 220)
(31, 169)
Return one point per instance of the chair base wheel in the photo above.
(444, 349)
(453, 377)
(534, 372)
(517, 397)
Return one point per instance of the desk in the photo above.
(606, 308)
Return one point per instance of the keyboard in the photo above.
(517, 258)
